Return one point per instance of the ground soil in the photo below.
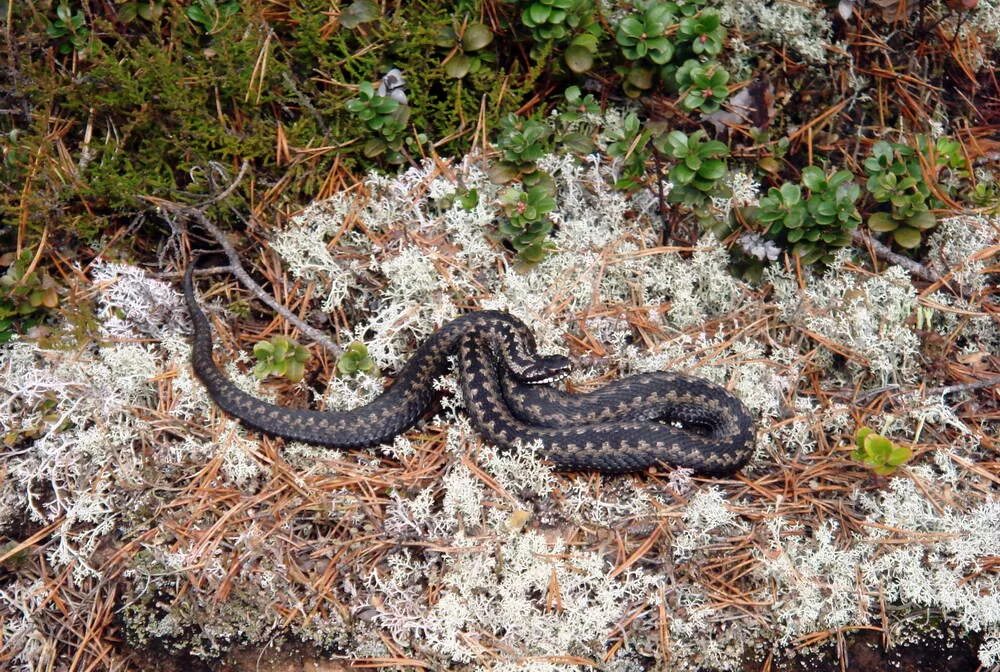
(935, 652)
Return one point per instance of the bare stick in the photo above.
(198, 214)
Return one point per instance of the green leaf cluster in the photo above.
(701, 165)
(895, 179)
(817, 223)
(570, 22)
(879, 453)
(704, 32)
(280, 356)
(702, 85)
(69, 29)
(553, 20)
(210, 14)
(355, 360)
(630, 144)
(384, 116)
(468, 49)
(521, 143)
(643, 36)
(682, 49)
(527, 225)
(25, 294)
(576, 108)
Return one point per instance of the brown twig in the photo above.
(197, 213)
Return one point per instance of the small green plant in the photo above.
(702, 85)
(147, 10)
(210, 14)
(879, 453)
(527, 224)
(25, 294)
(579, 55)
(553, 20)
(643, 37)
(355, 360)
(630, 144)
(704, 32)
(386, 117)
(821, 222)
(701, 165)
(575, 110)
(896, 180)
(69, 29)
(521, 143)
(280, 356)
(469, 52)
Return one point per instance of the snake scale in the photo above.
(626, 426)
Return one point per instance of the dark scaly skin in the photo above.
(619, 428)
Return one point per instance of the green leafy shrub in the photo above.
(821, 222)
(702, 85)
(521, 143)
(355, 360)
(280, 356)
(704, 32)
(69, 29)
(879, 453)
(630, 144)
(644, 36)
(469, 53)
(574, 110)
(25, 294)
(551, 20)
(527, 225)
(896, 180)
(210, 14)
(701, 165)
(386, 117)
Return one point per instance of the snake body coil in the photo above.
(626, 426)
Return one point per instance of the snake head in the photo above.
(543, 370)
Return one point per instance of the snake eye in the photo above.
(545, 370)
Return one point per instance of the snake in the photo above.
(633, 424)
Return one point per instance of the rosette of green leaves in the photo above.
(879, 453)
(527, 224)
(280, 356)
(69, 29)
(704, 32)
(630, 144)
(552, 20)
(469, 50)
(385, 117)
(817, 225)
(355, 360)
(521, 143)
(895, 178)
(643, 37)
(701, 165)
(702, 85)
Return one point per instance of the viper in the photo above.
(629, 425)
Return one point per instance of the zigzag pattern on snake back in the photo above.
(626, 426)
